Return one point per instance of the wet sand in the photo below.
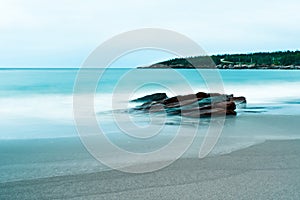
(270, 170)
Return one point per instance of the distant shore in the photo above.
(238, 67)
(262, 60)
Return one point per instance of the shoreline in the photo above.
(27, 159)
(279, 68)
(267, 170)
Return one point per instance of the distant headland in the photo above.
(261, 60)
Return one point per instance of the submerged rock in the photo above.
(192, 105)
(238, 100)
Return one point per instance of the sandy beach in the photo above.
(270, 170)
(149, 100)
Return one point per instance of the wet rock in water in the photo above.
(151, 97)
(181, 98)
(156, 108)
(208, 113)
(238, 100)
(192, 105)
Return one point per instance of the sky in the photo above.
(62, 33)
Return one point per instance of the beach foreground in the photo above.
(270, 170)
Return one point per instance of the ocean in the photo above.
(38, 135)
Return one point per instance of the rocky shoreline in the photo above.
(192, 105)
(290, 67)
(229, 66)
(285, 60)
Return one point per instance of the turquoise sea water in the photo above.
(38, 137)
(39, 102)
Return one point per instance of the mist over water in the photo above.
(37, 104)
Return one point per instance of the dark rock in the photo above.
(147, 105)
(202, 95)
(181, 98)
(188, 98)
(208, 113)
(213, 94)
(225, 105)
(193, 105)
(205, 110)
(238, 100)
(157, 108)
(181, 103)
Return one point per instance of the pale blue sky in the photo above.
(62, 33)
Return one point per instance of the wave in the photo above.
(32, 115)
(274, 92)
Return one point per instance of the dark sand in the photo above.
(270, 170)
